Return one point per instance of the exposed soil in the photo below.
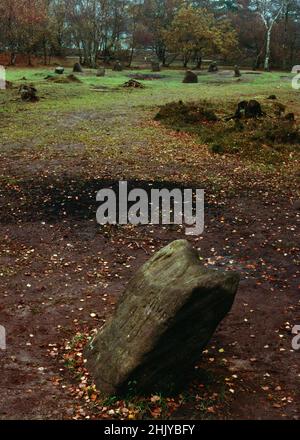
(58, 267)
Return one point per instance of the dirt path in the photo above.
(60, 273)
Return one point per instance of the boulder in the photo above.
(59, 70)
(213, 67)
(155, 66)
(237, 72)
(296, 69)
(166, 317)
(118, 67)
(77, 68)
(100, 72)
(190, 77)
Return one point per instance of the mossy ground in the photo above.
(98, 117)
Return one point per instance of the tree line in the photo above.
(261, 33)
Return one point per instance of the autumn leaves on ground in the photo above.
(61, 274)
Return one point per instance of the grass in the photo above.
(74, 122)
(267, 139)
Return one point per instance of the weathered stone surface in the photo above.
(237, 72)
(296, 69)
(165, 318)
(155, 66)
(213, 67)
(77, 68)
(59, 70)
(190, 77)
(101, 72)
(118, 67)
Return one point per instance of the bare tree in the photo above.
(270, 11)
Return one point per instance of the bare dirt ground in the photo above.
(61, 273)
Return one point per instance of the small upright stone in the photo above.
(77, 68)
(59, 70)
(155, 66)
(237, 72)
(213, 67)
(190, 77)
(100, 72)
(118, 67)
(296, 69)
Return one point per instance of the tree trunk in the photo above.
(29, 60)
(45, 52)
(268, 50)
(13, 59)
(199, 63)
(285, 40)
(185, 61)
(161, 53)
(131, 57)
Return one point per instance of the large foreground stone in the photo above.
(166, 317)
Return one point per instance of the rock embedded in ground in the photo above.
(155, 66)
(59, 70)
(213, 67)
(118, 67)
(237, 72)
(100, 72)
(190, 77)
(296, 69)
(77, 68)
(167, 315)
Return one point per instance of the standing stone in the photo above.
(59, 70)
(296, 69)
(166, 317)
(118, 67)
(213, 67)
(237, 72)
(155, 66)
(190, 77)
(100, 72)
(77, 68)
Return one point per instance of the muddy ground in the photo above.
(61, 273)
